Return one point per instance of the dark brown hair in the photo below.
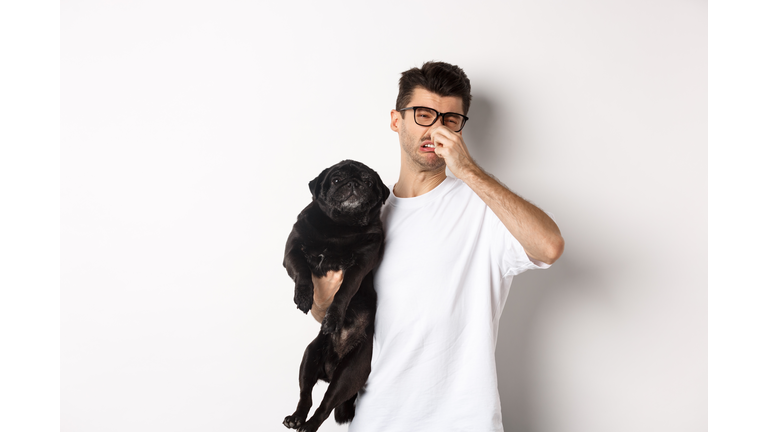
(440, 78)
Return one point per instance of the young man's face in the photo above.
(415, 140)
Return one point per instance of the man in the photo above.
(452, 247)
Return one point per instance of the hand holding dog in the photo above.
(325, 290)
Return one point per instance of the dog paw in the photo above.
(302, 296)
(293, 421)
(310, 426)
(345, 412)
(304, 305)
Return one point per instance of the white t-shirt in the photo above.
(446, 271)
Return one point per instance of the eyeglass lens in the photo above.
(428, 116)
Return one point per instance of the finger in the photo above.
(445, 137)
(444, 144)
(440, 133)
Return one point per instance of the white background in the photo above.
(189, 132)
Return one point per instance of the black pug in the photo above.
(339, 230)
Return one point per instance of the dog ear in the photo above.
(383, 189)
(316, 185)
(384, 193)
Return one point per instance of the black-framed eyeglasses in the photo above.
(424, 116)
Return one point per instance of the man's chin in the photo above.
(432, 163)
(426, 161)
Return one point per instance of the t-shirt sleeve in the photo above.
(509, 253)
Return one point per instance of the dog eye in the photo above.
(369, 183)
(335, 181)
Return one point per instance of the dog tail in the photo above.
(345, 412)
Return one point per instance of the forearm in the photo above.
(536, 232)
(325, 289)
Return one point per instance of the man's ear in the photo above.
(316, 185)
(395, 119)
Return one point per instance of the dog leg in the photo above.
(309, 373)
(348, 378)
(345, 412)
(295, 263)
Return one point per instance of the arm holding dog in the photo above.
(352, 277)
(325, 290)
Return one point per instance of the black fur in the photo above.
(339, 230)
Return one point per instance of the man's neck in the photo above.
(412, 184)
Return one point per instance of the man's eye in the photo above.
(452, 119)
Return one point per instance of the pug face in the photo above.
(349, 192)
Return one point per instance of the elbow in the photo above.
(555, 250)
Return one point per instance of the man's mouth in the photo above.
(428, 146)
